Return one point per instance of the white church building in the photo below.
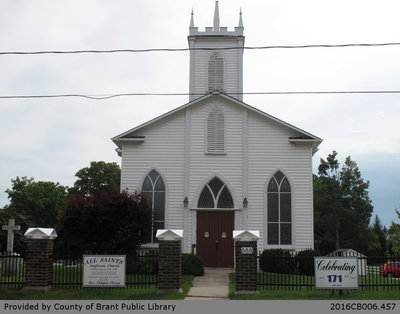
(217, 164)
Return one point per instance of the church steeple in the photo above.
(216, 17)
(240, 19)
(216, 68)
(191, 20)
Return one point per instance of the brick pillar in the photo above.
(39, 259)
(246, 261)
(169, 266)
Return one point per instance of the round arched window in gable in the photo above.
(215, 194)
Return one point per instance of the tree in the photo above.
(103, 223)
(342, 207)
(327, 205)
(37, 203)
(99, 176)
(394, 237)
(381, 235)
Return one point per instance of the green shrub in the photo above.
(305, 261)
(192, 265)
(146, 263)
(277, 261)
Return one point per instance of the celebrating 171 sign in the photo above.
(336, 272)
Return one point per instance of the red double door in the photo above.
(215, 238)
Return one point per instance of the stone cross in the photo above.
(10, 228)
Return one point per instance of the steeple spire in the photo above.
(240, 18)
(191, 20)
(216, 17)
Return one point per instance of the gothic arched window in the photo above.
(216, 72)
(215, 131)
(215, 195)
(153, 189)
(279, 210)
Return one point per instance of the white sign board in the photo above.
(104, 270)
(336, 273)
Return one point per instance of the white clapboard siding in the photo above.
(269, 151)
(163, 150)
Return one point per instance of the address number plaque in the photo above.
(246, 250)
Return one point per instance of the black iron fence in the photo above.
(12, 271)
(141, 271)
(295, 272)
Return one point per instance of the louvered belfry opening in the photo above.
(216, 72)
(216, 131)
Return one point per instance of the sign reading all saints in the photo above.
(104, 270)
(336, 273)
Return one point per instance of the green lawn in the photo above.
(294, 293)
(100, 293)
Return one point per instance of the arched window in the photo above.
(215, 195)
(279, 210)
(216, 72)
(154, 190)
(215, 131)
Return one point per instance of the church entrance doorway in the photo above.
(215, 238)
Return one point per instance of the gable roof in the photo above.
(345, 252)
(305, 136)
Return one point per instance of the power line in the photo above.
(190, 49)
(104, 97)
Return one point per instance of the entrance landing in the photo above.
(213, 285)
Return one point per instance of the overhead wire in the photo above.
(203, 48)
(104, 97)
(109, 96)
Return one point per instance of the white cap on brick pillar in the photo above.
(169, 234)
(246, 235)
(41, 233)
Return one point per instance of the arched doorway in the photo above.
(215, 224)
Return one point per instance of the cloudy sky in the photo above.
(51, 139)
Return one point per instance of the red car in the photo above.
(390, 270)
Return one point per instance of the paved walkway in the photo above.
(213, 285)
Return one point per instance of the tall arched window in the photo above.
(216, 72)
(215, 195)
(279, 210)
(215, 131)
(154, 190)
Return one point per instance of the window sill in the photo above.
(216, 209)
(289, 247)
(216, 153)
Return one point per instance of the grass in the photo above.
(313, 294)
(100, 293)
